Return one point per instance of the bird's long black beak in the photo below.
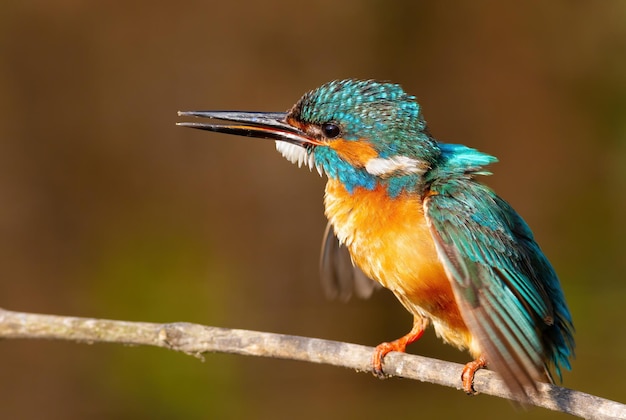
(265, 125)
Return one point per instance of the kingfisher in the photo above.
(413, 217)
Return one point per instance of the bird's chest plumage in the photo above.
(389, 239)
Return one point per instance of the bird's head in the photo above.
(360, 132)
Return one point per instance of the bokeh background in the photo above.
(107, 209)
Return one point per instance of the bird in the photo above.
(414, 219)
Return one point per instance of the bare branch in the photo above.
(195, 339)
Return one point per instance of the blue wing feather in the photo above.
(508, 292)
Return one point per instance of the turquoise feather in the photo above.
(509, 292)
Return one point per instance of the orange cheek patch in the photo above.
(295, 123)
(357, 152)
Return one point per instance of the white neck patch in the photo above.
(396, 165)
(298, 155)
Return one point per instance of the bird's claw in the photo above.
(379, 354)
(467, 376)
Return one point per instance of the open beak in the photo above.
(265, 125)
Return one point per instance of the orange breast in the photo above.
(390, 241)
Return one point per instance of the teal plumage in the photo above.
(509, 292)
(380, 112)
(415, 219)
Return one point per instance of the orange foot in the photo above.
(467, 377)
(397, 345)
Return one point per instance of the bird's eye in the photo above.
(331, 130)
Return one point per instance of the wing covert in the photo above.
(507, 291)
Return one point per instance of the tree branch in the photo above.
(195, 339)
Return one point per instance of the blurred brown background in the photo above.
(110, 210)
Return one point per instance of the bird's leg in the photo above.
(397, 345)
(467, 377)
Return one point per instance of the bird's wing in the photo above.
(500, 278)
(339, 276)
